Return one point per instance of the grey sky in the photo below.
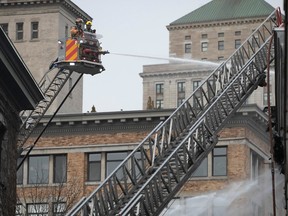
(130, 27)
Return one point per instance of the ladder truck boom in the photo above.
(146, 181)
(72, 58)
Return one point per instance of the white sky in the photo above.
(130, 27)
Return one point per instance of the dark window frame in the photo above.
(188, 37)
(92, 163)
(188, 48)
(36, 207)
(113, 159)
(237, 33)
(58, 168)
(202, 169)
(34, 30)
(20, 31)
(5, 27)
(204, 36)
(216, 156)
(159, 88)
(221, 34)
(237, 43)
(221, 45)
(204, 46)
(20, 171)
(42, 179)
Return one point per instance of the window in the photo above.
(159, 88)
(188, 48)
(221, 34)
(38, 170)
(204, 46)
(204, 36)
(237, 43)
(237, 33)
(195, 101)
(220, 45)
(202, 170)
(219, 161)
(20, 171)
(221, 58)
(66, 31)
(60, 169)
(181, 87)
(59, 209)
(180, 93)
(4, 27)
(137, 164)
(19, 210)
(196, 84)
(187, 37)
(159, 103)
(159, 95)
(40, 209)
(19, 31)
(113, 160)
(34, 30)
(94, 167)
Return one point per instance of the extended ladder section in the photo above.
(146, 181)
(51, 89)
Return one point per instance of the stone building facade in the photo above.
(210, 35)
(35, 27)
(77, 152)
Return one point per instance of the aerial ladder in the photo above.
(152, 174)
(71, 59)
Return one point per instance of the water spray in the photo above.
(204, 62)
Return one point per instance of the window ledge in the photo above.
(92, 182)
(35, 40)
(19, 41)
(41, 185)
(208, 178)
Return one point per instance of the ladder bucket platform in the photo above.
(81, 66)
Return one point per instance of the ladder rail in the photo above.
(242, 67)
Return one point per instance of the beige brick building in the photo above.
(207, 34)
(35, 28)
(77, 152)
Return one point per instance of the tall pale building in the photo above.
(35, 28)
(208, 33)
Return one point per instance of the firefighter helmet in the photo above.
(88, 23)
(79, 20)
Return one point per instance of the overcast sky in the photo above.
(130, 27)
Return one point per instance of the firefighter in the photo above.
(88, 27)
(77, 31)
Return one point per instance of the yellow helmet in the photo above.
(88, 23)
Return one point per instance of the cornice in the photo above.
(69, 5)
(215, 23)
(249, 116)
(106, 122)
(173, 73)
